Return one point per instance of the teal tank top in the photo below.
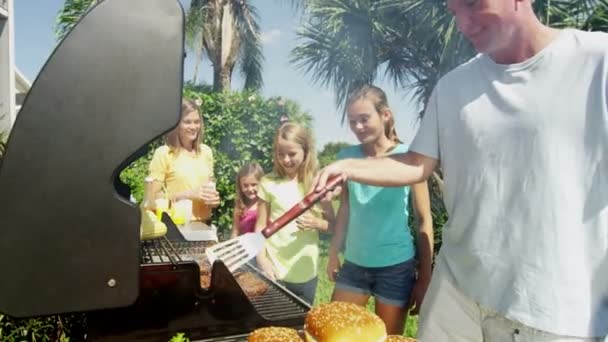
(377, 232)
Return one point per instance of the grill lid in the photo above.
(68, 241)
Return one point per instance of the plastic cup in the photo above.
(162, 204)
(182, 211)
(210, 184)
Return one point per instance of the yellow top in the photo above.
(181, 172)
(294, 253)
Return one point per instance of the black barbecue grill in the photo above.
(171, 299)
(69, 237)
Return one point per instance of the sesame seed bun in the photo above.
(340, 321)
(274, 334)
(395, 338)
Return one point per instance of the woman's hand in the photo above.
(192, 194)
(209, 195)
(333, 266)
(308, 221)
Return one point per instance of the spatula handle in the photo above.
(301, 207)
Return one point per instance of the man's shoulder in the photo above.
(590, 41)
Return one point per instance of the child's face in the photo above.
(291, 156)
(249, 187)
(365, 121)
(189, 128)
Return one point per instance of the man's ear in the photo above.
(387, 113)
(517, 3)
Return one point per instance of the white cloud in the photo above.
(272, 36)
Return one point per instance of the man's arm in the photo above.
(395, 170)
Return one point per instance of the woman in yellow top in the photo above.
(183, 167)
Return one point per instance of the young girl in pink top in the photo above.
(246, 199)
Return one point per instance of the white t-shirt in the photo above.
(524, 151)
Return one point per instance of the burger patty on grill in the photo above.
(251, 284)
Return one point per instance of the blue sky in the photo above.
(35, 40)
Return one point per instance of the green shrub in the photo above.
(329, 152)
(239, 128)
(64, 328)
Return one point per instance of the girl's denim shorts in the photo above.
(390, 285)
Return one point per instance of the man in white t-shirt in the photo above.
(521, 133)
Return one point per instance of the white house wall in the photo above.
(7, 66)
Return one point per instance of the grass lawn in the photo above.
(326, 287)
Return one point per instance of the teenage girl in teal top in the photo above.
(372, 224)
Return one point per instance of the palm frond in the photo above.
(581, 14)
(70, 14)
(251, 57)
(344, 43)
(338, 45)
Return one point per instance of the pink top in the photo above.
(247, 221)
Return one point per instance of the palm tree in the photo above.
(225, 30)
(345, 43)
(228, 33)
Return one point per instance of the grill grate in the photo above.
(275, 304)
(162, 257)
(191, 250)
(159, 251)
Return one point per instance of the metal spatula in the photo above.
(236, 252)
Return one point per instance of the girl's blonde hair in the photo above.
(241, 201)
(378, 99)
(300, 135)
(172, 138)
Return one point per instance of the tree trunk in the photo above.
(198, 58)
(221, 78)
(228, 43)
(438, 179)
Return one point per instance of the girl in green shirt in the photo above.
(291, 255)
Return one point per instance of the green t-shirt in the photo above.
(294, 253)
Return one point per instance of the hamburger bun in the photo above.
(274, 334)
(343, 322)
(396, 338)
